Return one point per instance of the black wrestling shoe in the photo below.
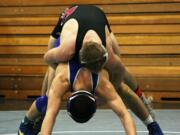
(154, 129)
(27, 129)
(37, 124)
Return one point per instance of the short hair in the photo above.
(93, 56)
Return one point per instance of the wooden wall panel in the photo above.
(123, 39)
(115, 19)
(112, 9)
(118, 29)
(65, 2)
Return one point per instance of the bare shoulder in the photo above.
(105, 89)
(69, 29)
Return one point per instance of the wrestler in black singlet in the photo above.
(89, 18)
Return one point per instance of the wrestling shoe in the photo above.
(147, 103)
(37, 124)
(154, 129)
(27, 129)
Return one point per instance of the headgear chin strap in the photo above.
(81, 106)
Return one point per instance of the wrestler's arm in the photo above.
(51, 42)
(66, 50)
(55, 34)
(58, 88)
(106, 90)
(63, 53)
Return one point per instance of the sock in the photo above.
(148, 121)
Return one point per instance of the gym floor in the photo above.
(105, 122)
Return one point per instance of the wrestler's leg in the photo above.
(131, 81)
(45, 83)
(33, 119)
(33, 113)
(34, 110)
(137, 106)
(30, 124)
(133, 102)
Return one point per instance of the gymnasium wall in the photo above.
(148, 32)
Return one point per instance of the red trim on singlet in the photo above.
(70, 11)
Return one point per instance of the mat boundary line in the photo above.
(100, 131)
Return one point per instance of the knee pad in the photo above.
(41, 104)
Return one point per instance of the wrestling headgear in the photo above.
(81, 106)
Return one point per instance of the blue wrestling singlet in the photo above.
(74, 68)
(57, 43)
